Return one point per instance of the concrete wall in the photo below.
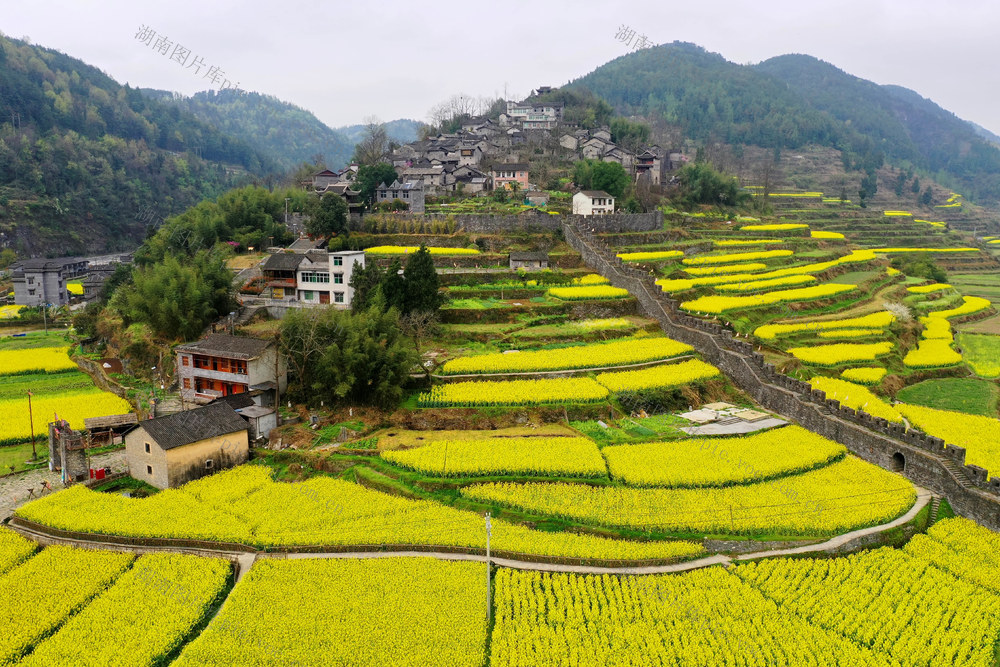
(927, 462)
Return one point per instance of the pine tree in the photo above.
(421, 283)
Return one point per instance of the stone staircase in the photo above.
(935, 506)
(169, 405)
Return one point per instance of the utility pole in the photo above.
(488, 596)
(45, 318)
(34, 454)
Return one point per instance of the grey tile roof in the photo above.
(528, 256)
(282, 261)
(183, 428)
(224, 345)
(596, 193)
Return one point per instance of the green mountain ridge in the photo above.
(793, 100)
(401, 130)
(85, 162)
(289, 135)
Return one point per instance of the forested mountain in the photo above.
(402, 130)
(287, 134)
(82, 157)
(793, 100)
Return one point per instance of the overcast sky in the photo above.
(395, 59)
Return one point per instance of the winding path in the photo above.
(246, 559)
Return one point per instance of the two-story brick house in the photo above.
(222, 365)
(505, 174)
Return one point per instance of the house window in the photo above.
(307, 295)
(187, 383)
(185, 360)
(147, 448)
(338, 279)
(208, 464)
(338, 297)
(31, 292)
(315, 277)
(338, 261)
(149, 470)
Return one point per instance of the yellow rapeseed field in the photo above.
(557, 391)
(720, 461)
(244, 505)
(979, 435)
(758, 285)
(841, 353)
(875, 320)
(716, 304)
(14, 549)
(147, 614)
(658, 377)
(746, 267)
(864, 375)
(41, 359)
(842, 496)
(736, 257)
(575, 457)
(584, 292)
(38, 596)
(919, 615)
(856, 397)
(73, 406)
(404, 250)
(596, 355)
(370, 612)
(653, 256)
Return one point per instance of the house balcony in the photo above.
(209, 374)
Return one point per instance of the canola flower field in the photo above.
(563, 456)
(721, 461)
(856, 397)
(842, 496)
(39, 595)
(143, 617)
(596, 355)
(587, 292)
(717, 304)
(377, 612)
(405, 250)
(841, 353)
(932, 603)
(557, 391)
(979, 435)
(244, 505)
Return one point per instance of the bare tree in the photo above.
(374, 147)
(459, 106)
(419, 325)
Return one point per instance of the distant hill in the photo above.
(83, 158)
(402, 131)
(794, 100)
(984, 133)
(287, 134)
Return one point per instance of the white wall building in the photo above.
(593, 202)
(328, 282)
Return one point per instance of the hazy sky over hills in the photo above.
(393, 59)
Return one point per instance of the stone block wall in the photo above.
(925, 460)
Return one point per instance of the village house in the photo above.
(469, 180)
(167, 452)
(593, 202)
(325, 278)
(532, 116)
(222, 365)
(279, 272)
(530, 261)
(40, 281)
(411, 192)
(505, 174)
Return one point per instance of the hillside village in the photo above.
(509, 395)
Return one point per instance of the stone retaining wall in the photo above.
(925, 459)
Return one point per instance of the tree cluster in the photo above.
(409, 289)
(610, 177)
(336, 355)
(700, 184)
